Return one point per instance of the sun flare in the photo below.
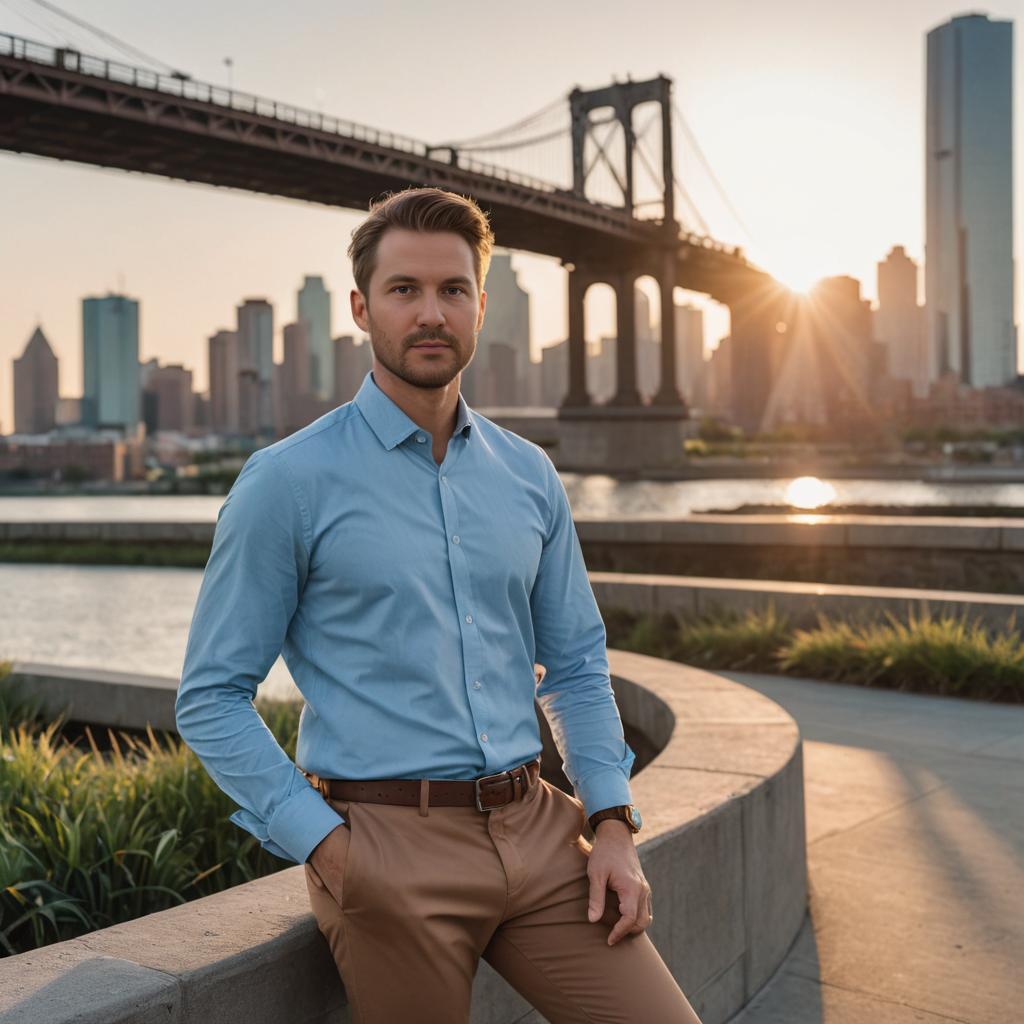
(809, 492)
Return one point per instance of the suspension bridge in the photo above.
(582, 180)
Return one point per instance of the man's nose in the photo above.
(429, 313)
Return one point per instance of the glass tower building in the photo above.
(969, 272)
(314, 309)
(111, 395)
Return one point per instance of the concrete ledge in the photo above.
(648, 594)
(849, 531)
(723, 849)
(121, 700)
(980, 554)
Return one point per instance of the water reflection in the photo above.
(592, 495)
(118, 618)
(810, 492)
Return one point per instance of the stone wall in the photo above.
(723, 848)
(981, 555)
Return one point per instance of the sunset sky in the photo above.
(811, 114)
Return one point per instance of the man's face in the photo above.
(424, 309)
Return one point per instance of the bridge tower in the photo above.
(620, 268)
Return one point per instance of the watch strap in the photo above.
(619, 813)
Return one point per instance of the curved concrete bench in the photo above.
(723, 849)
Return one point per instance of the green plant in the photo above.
(90, 837)
(725, 639)
(947, 655)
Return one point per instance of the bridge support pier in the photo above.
(622, 435)
(577, 396)
(626, 391)
(668, 395)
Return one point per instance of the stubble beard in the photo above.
(399, 360)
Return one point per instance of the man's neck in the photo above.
(433, 409)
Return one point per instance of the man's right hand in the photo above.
(328, 860)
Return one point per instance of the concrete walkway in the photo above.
(915, 832)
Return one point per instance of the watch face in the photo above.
(634, 817)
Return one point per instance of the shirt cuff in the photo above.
(607, 788)
(301, 822)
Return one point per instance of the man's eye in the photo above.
(399, 288)
(456, 288)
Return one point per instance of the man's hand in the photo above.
(328, 859)
(614, 865)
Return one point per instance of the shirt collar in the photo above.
(391, 425)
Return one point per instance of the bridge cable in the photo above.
(500, 146)
(694, 209)
(47, 30)
(510, 129)
(126, 48)
(707, 166)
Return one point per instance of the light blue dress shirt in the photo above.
(410, 601)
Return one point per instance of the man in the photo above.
(413, 561)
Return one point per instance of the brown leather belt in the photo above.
(485, 793)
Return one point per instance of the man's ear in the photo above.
(483, 307)
(359, 310)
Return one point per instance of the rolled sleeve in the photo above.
(250, 591)
(576, 693)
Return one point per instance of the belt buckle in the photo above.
(488, 778)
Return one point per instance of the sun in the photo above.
(797, 268)
(798, 277)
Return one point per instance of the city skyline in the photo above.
(848, 112)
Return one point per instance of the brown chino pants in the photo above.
(424, 897)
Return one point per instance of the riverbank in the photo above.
(697, 469)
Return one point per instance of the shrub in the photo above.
(948, 655)
(91, 838)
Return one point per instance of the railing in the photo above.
(183, 86)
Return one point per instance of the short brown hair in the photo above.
(421, 209)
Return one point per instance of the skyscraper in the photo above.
(223, 373)
(35, 387)
(969, 201)
(110, 362)
(314, 309)
(495, 376)
(172, 387)
(691, 370)
(899, 321)
(256, 355)
(554, 372)
(294, 376)
(648, 347)
(352, 362)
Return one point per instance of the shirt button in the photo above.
(455, 539)
(483, 736)
(469, 618)
(420, 438)
(444, 479)
(476, 684)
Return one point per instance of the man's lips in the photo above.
(431, 344)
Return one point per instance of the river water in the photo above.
(136, 619)
(125, 619)
(591, 495)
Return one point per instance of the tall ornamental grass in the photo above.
(91, 838)
(945, 655)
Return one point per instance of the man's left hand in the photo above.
(614, 865)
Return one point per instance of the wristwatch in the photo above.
(623, 812)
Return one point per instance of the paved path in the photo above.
(915, 842)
